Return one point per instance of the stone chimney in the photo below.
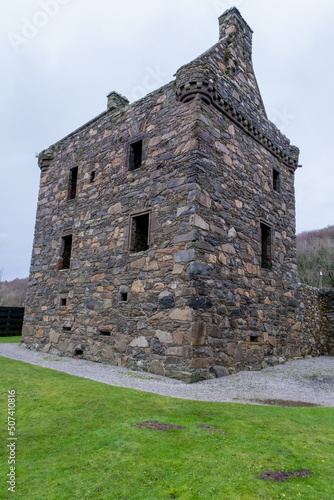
(116, 101)
(236, 34)
(45, 158)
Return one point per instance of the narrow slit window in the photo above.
(72, 188)
(266, 246)
(136, 155)
(63, 302)
(276, 180)
(92, 176)
(139, 238)
(67, 251)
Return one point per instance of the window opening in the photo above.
(254, 339)
(67, 328)
(63, 302)
(67, 250)
(106, 333)
(92, 176)
(136, 153)
(124, 297)
(266, 246)
(72, 189)
(276, 180)
(139, 232)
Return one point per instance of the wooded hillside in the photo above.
(12, 293)
(315, 255)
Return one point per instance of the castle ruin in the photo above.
(165, 230)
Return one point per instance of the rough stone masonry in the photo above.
(165, 230)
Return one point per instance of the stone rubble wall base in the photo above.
(181, 363)
(185, 369)
(316, 320)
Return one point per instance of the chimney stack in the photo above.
(116, 101)
(234, 30)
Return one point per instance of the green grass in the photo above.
(10, 340)
(77, 439)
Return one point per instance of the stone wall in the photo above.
(250, 312)
(316, 320)
(152, 329)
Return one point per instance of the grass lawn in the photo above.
(78, 439)
(10, 340)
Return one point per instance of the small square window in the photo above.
(123, 297)
(72, 187)
(63, 302)
(135, 155)
(276, 181)
(139, 232)
(106, 333)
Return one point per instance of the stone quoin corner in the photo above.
(165, 230)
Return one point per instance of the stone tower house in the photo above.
(165, 231)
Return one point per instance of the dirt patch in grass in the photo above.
(156, 426)
(284, 402)
(211, 429)
(281, 475)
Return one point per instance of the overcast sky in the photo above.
(60, 59)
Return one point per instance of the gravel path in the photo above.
(307, 382)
